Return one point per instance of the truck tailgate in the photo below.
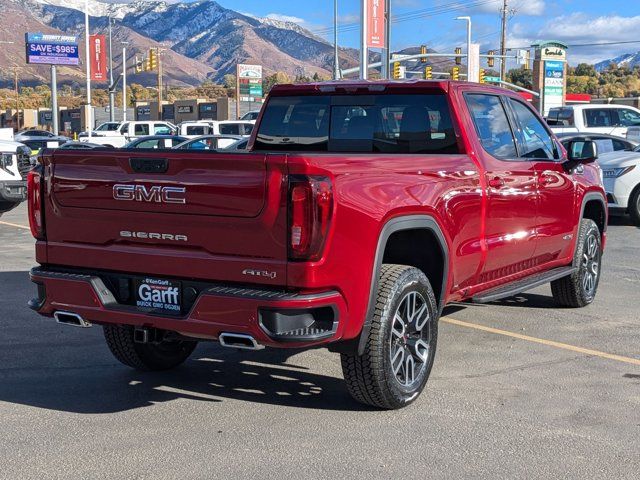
(173, 213)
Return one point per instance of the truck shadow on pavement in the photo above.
(621, 221)
(51, 366)
(210, 376)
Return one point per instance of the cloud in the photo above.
(580, 28)
(285, 18)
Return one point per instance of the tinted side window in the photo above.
(628, 118)
(533, 138)
(141, 129)
(230, 129)
(197, 130)
(492, 125)
(160, 129)
(619, 145)
(598, 117)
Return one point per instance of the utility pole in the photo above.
(503, 41)
(112, 92)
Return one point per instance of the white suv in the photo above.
(621, 172)
(594, 118)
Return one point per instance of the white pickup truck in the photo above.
(609, 119)
(15, 162)
(129, 131)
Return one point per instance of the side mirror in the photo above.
(580, 152)
(583, 151)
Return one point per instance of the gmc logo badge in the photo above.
(154, 194)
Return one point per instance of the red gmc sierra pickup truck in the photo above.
(360, 210)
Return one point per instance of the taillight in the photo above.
(34, 202)
(311, 208)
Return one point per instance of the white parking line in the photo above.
(550, 343)
(14, 225)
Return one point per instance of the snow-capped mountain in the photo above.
(630, 60)
(204, 32)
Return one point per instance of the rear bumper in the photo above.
(272, 318)
(13, 191)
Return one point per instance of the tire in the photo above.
(381, 376)
(146, 356)
(7, 206)
(634, 207)
(579, 289)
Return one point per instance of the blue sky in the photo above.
(572, 21)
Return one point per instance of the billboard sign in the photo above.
(375, 23)
(250, 80)
(46, 49)
(249, 71)
(553, 88)
(98, 57)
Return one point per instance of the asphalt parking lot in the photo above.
(520, 389)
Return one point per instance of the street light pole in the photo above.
(112, 93)
(468, 20)
(124, 81)
(89, 115)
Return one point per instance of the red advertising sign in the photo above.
(98, 57)
(375, 23)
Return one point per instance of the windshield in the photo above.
(358, 123)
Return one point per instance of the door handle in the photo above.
(496, 182)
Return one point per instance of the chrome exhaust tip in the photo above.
(239, 340)
(70, 318)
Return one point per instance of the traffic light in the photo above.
(455, 73)
(482, 74)
(458, 57)
(139, 66)
(428, 73)
(153, 59)
(396, 70)
(147, 64)
(423, 51)
(491, 61)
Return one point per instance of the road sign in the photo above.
(492, 79)
(45, 49)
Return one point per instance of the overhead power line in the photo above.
(413, 15)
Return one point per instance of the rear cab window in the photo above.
(561, 117)
(361, 123)
(598, 117)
